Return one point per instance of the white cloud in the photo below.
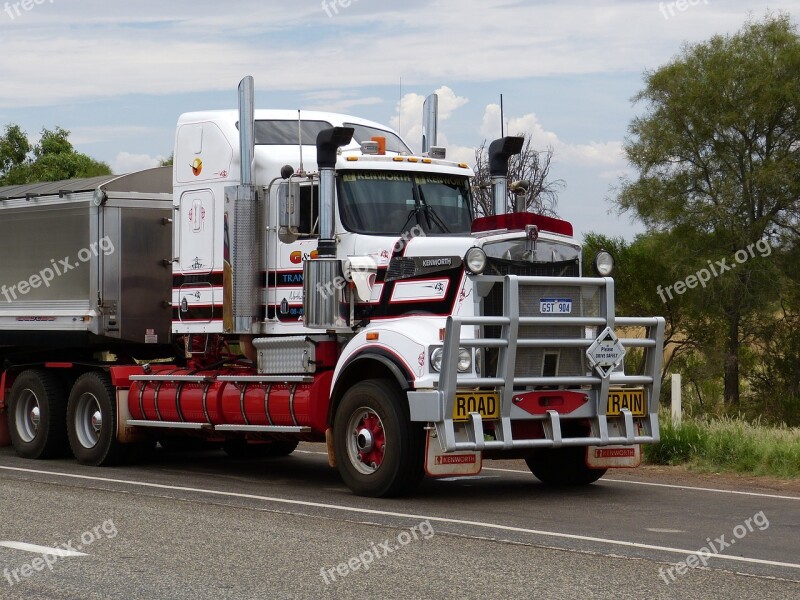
(591, 154)
(153, 47)
(338, 101)
(409, 124)
(93, 134)
(125, 162)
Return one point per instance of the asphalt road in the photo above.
(206, 526)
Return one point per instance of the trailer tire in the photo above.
(563, 466)
(37, 422)
(241, 449)
(92, 421)
(379, 451)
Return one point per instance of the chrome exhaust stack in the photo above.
(242, 266)
(500, 151)
(324, 301)
(430, 123)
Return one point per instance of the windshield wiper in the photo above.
(430, 212)
(414, 213)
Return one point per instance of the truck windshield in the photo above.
(391, 202)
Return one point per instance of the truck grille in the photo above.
(548, 362)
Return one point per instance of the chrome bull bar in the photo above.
(436, 406)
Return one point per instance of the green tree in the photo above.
(53, 158)
(718, 155)
(643, 268)
(14, 148)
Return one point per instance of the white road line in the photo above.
(416, 517)
(668, 485)
(41, 549)
(703, 489)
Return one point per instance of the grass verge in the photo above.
(728, 445)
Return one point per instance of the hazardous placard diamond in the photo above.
(606, 353)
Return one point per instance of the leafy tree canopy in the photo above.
(51, 159)
(717, 151)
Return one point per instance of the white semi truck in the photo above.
(306, 276)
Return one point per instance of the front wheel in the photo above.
(379, 451)
(563, 466)
(92, 421)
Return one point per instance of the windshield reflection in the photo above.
(389, 202)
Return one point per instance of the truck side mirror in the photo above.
(289, 211)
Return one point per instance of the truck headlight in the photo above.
(603, 263)
(436, 359)
(475, 260)
(464, 360)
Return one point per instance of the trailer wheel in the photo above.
(241, 449)
(379, 452)
(563, 466)
(37, 415)
(92, 421)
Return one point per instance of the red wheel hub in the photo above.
(370, 440)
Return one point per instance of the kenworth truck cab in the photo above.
(328, 284)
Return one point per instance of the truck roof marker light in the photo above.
(352, 158)
(463, 165)
(398, 159)
(372, 336)
(413, 159)
(427, 161)
(381, 144)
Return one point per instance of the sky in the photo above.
(118, 74)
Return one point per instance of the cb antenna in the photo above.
(400, 108)
(300, 140)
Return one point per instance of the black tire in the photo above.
(563, 466)
(242, 449)
(37, 421)
(92, 421)
(379, 451)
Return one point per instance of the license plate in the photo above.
(632, 399)
(555, 306)
(485, 403)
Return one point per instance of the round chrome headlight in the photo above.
(603, 263)
(436, 359)
(464, 360)
(475, 260)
